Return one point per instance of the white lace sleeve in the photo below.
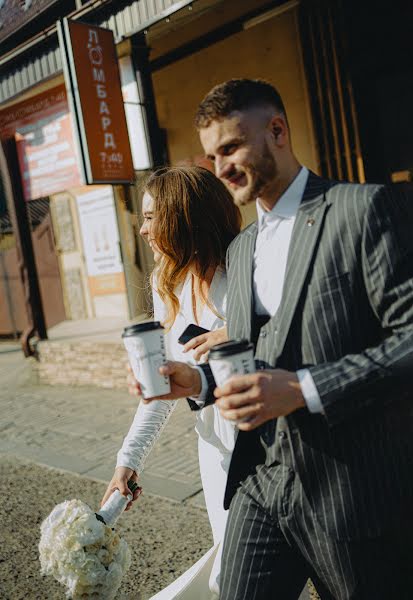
(149, 421)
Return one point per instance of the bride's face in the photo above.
(147, 225)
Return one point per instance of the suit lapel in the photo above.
(307, 229)
(240, 283)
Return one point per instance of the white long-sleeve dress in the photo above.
(216, 440)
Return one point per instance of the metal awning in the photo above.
(40, 57)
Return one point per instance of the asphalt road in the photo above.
(165, 537)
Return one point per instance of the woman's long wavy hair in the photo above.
(195, 220)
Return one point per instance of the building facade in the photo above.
(336, 79)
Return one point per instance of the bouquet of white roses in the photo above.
(81, 549)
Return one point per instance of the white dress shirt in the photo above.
(271, 248)
(272, 244)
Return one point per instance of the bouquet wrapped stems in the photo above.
(115, 505)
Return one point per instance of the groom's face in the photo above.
(241, 149)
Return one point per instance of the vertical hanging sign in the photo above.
(92, 79)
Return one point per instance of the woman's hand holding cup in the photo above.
(185, 381)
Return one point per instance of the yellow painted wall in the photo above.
(270, 50)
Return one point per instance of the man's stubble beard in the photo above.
(263, 174)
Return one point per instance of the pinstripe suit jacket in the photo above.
(347, 315)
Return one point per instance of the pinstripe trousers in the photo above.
(274, 542)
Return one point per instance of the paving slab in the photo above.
(80, 430)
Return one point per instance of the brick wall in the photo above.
(100, 364)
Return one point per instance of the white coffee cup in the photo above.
(145, 344)
(235, 357)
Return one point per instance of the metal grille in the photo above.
(37, 211)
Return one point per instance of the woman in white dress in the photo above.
(189, 221)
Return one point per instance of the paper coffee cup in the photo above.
(145, 344)
(235, 357)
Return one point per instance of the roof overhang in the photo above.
(39, 58)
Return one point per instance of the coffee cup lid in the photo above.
(229, 348)
(138, 328)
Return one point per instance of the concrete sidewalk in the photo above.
(80, 430)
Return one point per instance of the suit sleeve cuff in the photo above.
(200, 400)
(309, 391)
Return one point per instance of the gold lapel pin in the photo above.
(310, 222)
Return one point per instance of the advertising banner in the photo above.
(92, 79)
(100, 236)
(46, 147)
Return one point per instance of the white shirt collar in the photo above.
(287, 205)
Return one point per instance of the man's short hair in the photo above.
(236, 95)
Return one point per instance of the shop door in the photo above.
(13, 315)
(48, 272)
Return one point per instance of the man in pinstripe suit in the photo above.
(321, 480)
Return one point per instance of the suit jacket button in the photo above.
(263, 334)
